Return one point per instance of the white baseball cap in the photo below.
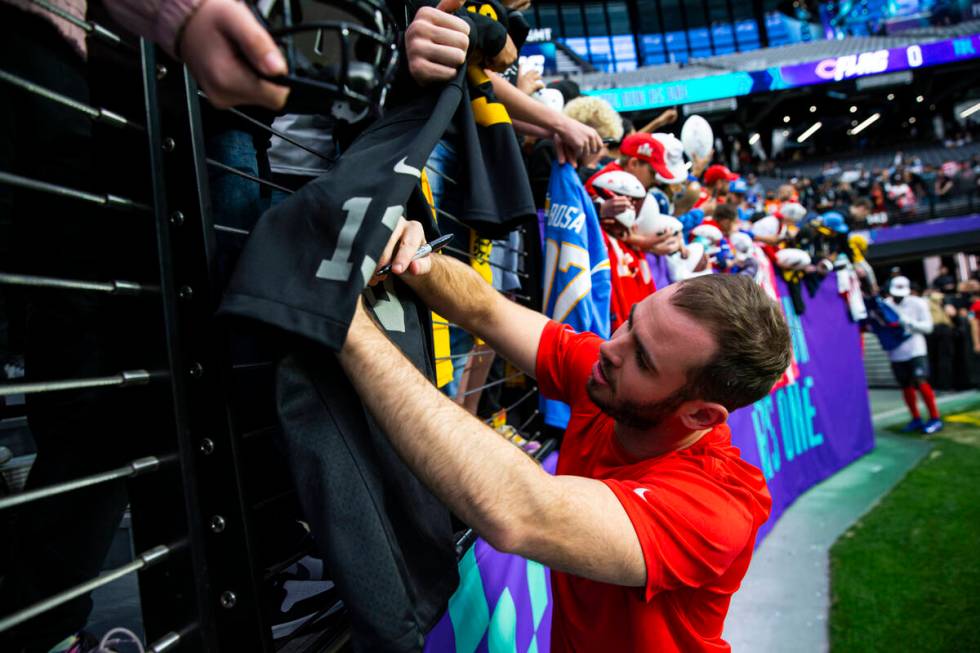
(673, 159)
(899, 287)
(551, 98)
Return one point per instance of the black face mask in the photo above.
(341, 59)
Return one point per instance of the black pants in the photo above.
(61, 541)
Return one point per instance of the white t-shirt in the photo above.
(914, 312)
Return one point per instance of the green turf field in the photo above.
(906, 576)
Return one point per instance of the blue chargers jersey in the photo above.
(576, 277)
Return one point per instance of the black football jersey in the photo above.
(386, 540)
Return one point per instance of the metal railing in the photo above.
(168, 529)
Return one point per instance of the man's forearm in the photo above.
(665, 118)
(455, 291)
(157, 20)
(527, 129)
(922, 325)
(479, 476)
(568, 523)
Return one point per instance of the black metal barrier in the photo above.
(168, 532)
(203, 481)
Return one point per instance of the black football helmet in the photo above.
(342, 54)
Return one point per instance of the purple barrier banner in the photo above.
(805, 431)
(503, 603)
(800, 434)
(917, 230)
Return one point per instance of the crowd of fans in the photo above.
(905, 190)
(666, 213)
(801, 230)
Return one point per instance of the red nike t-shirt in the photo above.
(696, 513)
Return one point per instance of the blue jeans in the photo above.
(443, 160)
(236, 201)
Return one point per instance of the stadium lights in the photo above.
(754, 138)
(969, 111)
(920, 99)
(912, 120)
(891, 96)
(854, 108)
(809, 132)
(813, 108)
(785, 118)
(865, 124)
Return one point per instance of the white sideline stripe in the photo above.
(885, 414)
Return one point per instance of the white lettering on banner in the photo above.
(538, 35)
(532, 62)
(563, 216)
(853, 65)
(914, 55)
(796, 415)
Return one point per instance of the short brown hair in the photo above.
(751, 334)
(728, 212)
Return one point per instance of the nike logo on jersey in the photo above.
(403, 168)
(640, 491)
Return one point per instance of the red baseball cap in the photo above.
(647, 148)
(718, 172)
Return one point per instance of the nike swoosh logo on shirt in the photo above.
(403, 168)
(640, 491)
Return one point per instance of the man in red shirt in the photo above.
(643, 156)
(650, 522)
(717, 178)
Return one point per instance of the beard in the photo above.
(632, 414)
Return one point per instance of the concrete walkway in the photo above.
(785, 598)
